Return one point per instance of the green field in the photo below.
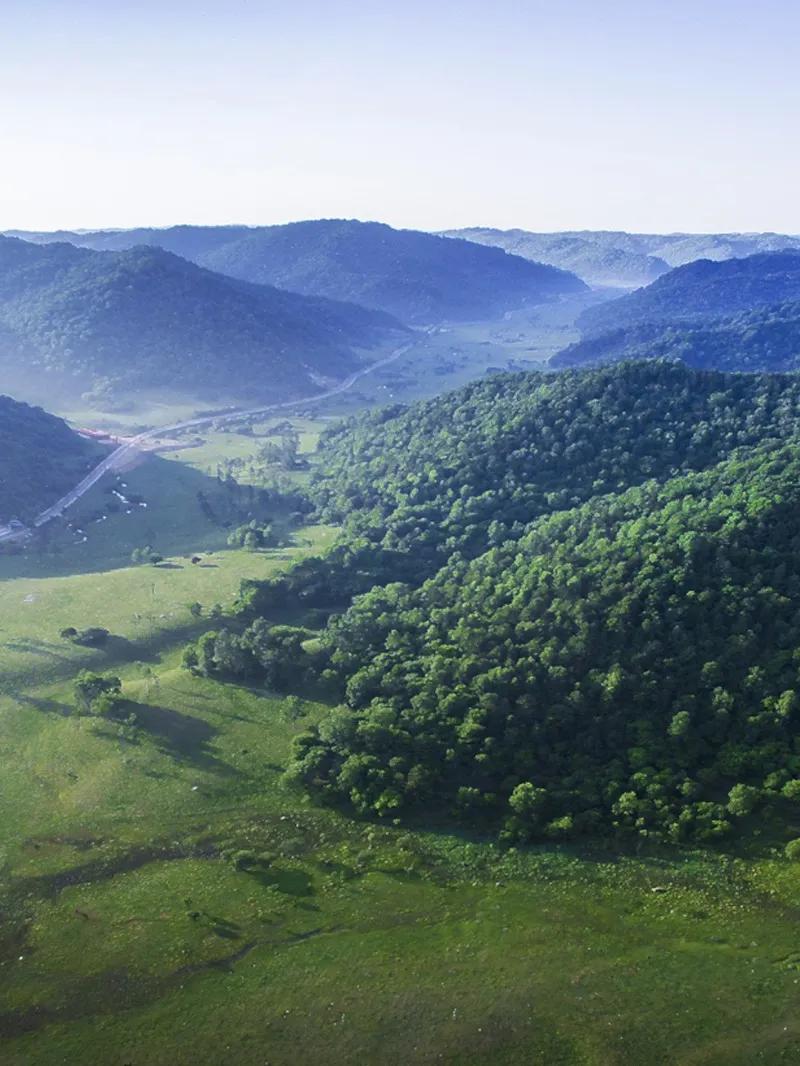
(167, 899)
(135, 929)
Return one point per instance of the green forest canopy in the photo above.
(597, 628)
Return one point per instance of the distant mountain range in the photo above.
(146, 317)
(702, 290)
(40, 459)
(417, 277)
(595, 261)
(625, 260)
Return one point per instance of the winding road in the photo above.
(121, 455)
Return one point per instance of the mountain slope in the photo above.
(595, 261)
(435, 477)
(676, 249)
(189, 242)
(762, 340)
(417, 277)
(145, 317)
(619, 259)
(607, 642)
(40, 459)
(702, 290)
(625, 667)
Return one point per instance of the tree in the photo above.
(96, 693)
(742, 800)
(284, 452)
(92, 637)
(146, 555)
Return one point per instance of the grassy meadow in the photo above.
(167, 899)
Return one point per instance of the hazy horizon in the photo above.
(672, 119)
(435, 230)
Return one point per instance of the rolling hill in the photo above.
(680, 248)
(40, 459)
(702, 290)
(189, 242)
(416, 277)
(146, 317)
(625, 260)
(767, 339)
(605, 644)
(597, 262)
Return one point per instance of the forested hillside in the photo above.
(446, 474)
(145, 317)
(417, 277)
(40, 459)
(702, 290)
(631, 665)
(607, 639)
(766, 339)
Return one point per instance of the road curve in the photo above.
(126, 451)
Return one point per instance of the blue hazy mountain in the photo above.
(417, 277)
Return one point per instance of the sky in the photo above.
(646, 116)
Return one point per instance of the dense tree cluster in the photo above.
(283, 452)
(254, 535)
(96, 693)
(91, 637)
(575, 606)
(273, 654)
(633, 664)
(470, 469)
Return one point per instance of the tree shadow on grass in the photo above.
(181, 736)
(288, 880)
(225, 928)
(37, 647)
(120, 649)
(46, 706)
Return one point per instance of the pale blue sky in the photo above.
(643, 116)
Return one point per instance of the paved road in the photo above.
(121, 455)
